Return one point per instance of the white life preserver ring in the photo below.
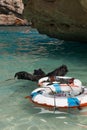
(56, 86)
(42, 97)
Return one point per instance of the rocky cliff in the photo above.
(63, 19)
(11, 12)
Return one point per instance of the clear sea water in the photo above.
(24, 49)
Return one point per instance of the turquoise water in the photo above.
(24, 49)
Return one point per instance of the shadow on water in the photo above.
(68, 50)
(36, 44)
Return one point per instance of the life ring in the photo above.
(43, 98)
(62, 84)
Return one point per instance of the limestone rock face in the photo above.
(63, 19)
(11, 12)
(12, 5)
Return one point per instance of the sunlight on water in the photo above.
(25, 51)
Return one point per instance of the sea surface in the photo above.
(24, 49)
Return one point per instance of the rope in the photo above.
(54, 98)
(71, 90)
(2, 82)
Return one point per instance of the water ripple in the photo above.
(22, 50)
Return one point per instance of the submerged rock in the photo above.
(63, 19)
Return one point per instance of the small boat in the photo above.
(62, 84)
(45, 97)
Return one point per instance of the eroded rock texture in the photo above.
(11, 12)
(63, 19)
